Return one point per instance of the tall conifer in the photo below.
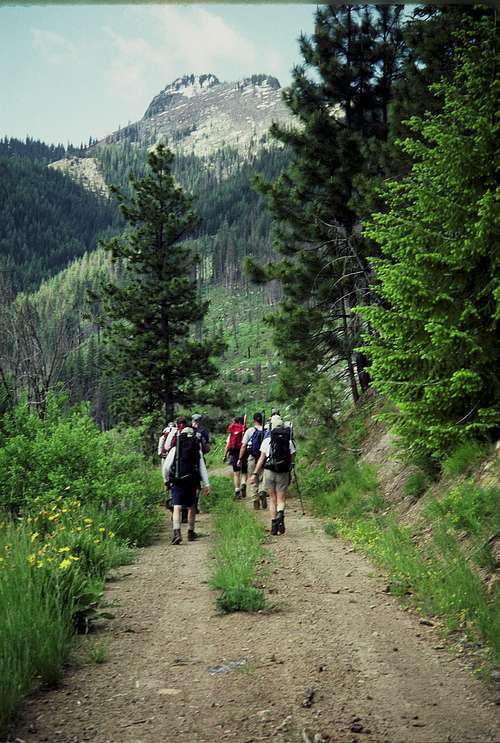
(152, 312)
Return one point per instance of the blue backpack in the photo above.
(253, 446)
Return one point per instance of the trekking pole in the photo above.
(298, 490)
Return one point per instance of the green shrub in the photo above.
(470, 507)
(349, 492)
(463, 459)
(416, 484)
(332, 529)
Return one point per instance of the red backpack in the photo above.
(236, 431)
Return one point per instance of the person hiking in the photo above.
(162, 453)
(276, 459)
(205, 436)
(205, 444)
(186, 468)
(236, 430)
(250, 448)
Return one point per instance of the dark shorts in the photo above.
(184, 495)
(233, 458)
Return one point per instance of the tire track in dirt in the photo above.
(370, 665)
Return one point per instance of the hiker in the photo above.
(163, 451)
(205, 445)
(186, 468)
(205, 436)
(233, 445)
(276, 460)
(250, 448)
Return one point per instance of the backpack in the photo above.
(279, 459)
(186, 464)
(254, 442)
(236, 431)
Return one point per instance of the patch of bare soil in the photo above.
(337, 659)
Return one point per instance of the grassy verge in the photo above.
(238, 552)
(439, 575)
(73, 504)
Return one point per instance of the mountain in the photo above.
(199, 114)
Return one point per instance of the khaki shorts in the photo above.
(278, 481)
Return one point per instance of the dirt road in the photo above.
(338, 659)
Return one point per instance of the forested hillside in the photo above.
(47, 219)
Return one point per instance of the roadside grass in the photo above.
(238, 552)
(73, 504)
(437, 576)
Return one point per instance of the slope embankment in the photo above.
(336, 659)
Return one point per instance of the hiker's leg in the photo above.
(176, 517)
(244, 470)
(255, 485)
(280, 500)
(271, 493)
(191, 517)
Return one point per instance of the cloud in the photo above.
(132, 59)
(175, 40)
(55, 48)
(201, 39)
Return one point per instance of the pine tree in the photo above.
(153, 311)
(353, 56)
(435, 352)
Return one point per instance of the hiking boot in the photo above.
(280, 518)
(256, 504)
(192, 535)
(263, 501)
(244, 490)
(237, 495)
(274, 527)
(184, 516)
(177, 538)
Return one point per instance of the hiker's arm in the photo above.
(168, 463)
(204, 474)
(226, 449)
(160, 445)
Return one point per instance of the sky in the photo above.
(72, 72)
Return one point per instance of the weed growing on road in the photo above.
(97, 652)
(238, 552)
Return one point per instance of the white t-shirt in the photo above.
(249, 433)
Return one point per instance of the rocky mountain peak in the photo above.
(186, 86)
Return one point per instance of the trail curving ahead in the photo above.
(338, 659)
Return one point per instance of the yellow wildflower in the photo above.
(34, 536)
(87, 521)
(64, 510)
(32, 559)
(64, 564)
(64, 549)
(111, 534)
(102, 529)
(97, 541)
(74, 558)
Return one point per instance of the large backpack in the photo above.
(236, 431)
(279, 459)
(254, 443)
(186, 464)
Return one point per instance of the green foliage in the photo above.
(435, 351)
(238, 553)
(96, 651)
(349, 492)
(416, 484)
(153, 310)
(47, 220)
(465, 457)
(340, 97)
(470, 507)
(332, 529)
(80, 498)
